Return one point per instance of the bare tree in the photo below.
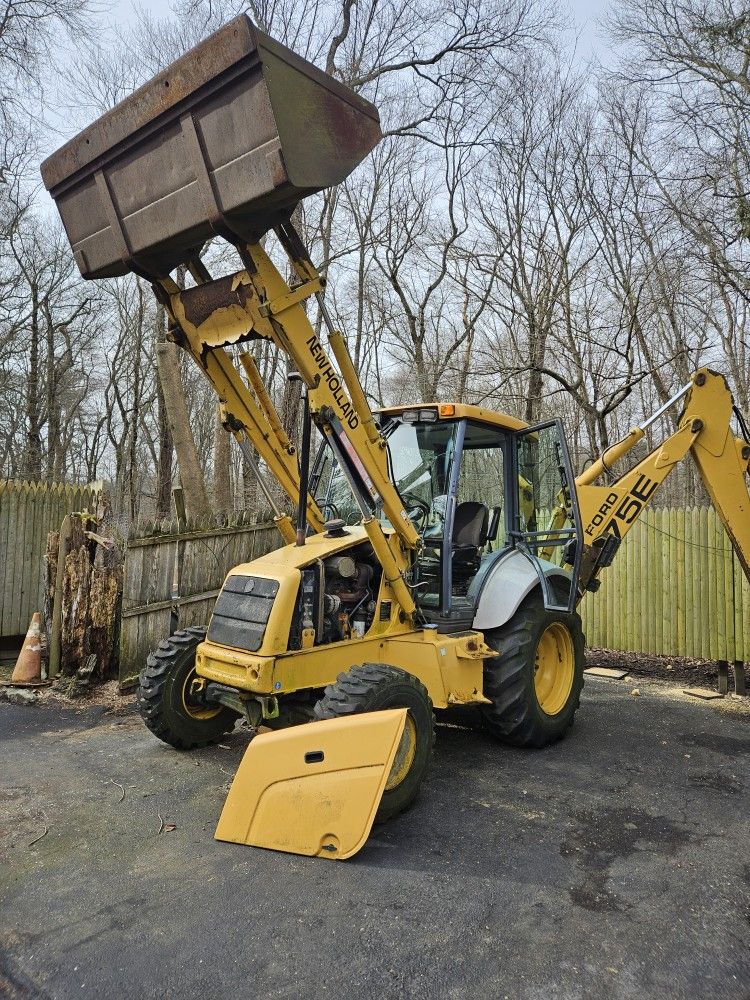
(52, 320)
(520, 237)
(28, 32)
(686, 68)
(192, 479)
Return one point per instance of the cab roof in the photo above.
(460, 411)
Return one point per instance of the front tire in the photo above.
(374, 687)
(536, 680)
(164, 698)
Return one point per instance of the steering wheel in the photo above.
(417, 509)
(325, 505)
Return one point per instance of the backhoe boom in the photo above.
(609, 512)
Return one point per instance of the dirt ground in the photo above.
(612, 865)
(669, 669)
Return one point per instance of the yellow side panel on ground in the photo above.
(313, 789)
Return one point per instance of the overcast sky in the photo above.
(585, 12)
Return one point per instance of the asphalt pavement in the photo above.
(612, 865)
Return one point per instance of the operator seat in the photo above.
(470, 526)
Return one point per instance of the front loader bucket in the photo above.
(313, 789)
(226, 141)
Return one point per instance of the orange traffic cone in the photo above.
(28, 669)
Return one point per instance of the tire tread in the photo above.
(512, 716)
(356, 691)
(151, 688)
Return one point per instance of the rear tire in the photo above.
(164, 700)
(536, 680)
(374, 687)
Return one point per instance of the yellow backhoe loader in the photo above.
(440, 549)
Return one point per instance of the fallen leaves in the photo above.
(165, 827)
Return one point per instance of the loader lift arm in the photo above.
(723, 461)
(258, 303)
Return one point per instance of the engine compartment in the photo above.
(337, 598)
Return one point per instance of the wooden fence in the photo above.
(675, 588)
(28, 511)
(206, 551)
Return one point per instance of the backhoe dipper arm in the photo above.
(609, 512)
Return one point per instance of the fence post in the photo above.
(723, 668)
(739, 677)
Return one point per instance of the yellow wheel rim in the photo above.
(404, 758)
(193, 710)
(554, 667)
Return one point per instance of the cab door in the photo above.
(545, 520)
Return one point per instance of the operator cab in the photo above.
(476, 484)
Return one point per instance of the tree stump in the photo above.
(89, 601)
